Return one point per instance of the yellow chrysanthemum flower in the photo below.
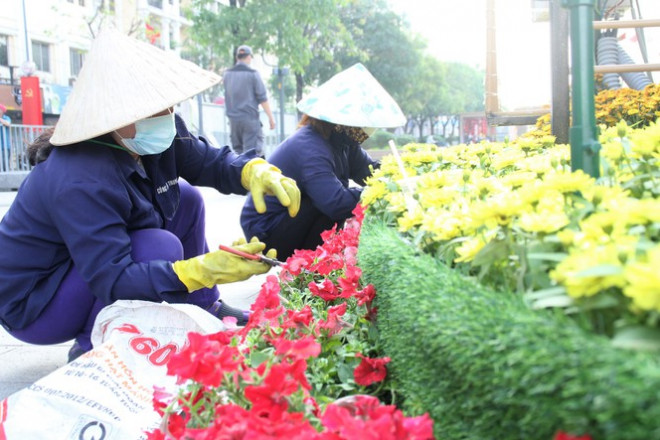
(643, 279)
(410, 218)
(443, 225)
(376, 189)
(518, 178)
(573, 272)
(600, 229)
(470, 248)
(568, 181)
(501, 208)
(543, 221)
(507, 158)
(606, 196)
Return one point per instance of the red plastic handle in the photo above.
(263, 259)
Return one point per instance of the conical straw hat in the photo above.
(353, 98)
(122, 81)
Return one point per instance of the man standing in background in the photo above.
(244, 93)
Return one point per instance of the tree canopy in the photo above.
(317, 38)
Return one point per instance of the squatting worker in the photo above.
(322, 156)
(104, 215)
(244, 93)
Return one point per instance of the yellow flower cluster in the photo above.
(638, 108)
(516, 216)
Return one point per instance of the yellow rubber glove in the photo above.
(259, 177)
(220, 267)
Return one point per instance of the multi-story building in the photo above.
(49, 39)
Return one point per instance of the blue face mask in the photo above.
(152, 135)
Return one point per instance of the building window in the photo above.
(76, 56)
(4, 51)
(41, 55)
(156, 3)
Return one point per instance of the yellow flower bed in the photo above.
(515, 216)
(638, 108)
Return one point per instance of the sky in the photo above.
(456, 31)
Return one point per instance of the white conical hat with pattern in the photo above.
(122, 81)
(353, 98)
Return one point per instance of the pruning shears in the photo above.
(262, 258)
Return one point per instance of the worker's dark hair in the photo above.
(324, 128)
(39, 150)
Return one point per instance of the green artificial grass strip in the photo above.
(485, 366)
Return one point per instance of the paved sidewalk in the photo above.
(22, 364)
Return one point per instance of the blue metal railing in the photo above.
(13, 151)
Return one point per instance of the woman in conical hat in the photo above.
(103, 216)
(322, 156)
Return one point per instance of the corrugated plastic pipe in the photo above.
(607, 54)
(635, 80)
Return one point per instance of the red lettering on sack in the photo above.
(151, 348)
(128, 328)
(163, 354)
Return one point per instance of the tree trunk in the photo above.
(299, 89)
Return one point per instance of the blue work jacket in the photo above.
(78, 208)
(322, 169)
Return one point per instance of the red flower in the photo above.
(298, 318)
(372, 313)
(561, 435)
(350, 255)
(269, 295)
(156, 434)
(326, 290)
(277, 385)
(151, 33)
(299, 261)
(333, 324)
(327, 262)
(204, 360)
(364, 417)
(267, 307)
(160, 400)
(370, 370)
(358, 212)
(350, 281)
(366, 295)
(301, 348)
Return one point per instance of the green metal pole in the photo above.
(583, 134)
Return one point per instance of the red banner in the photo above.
(31, 95)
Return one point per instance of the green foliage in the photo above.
(289, 84)
(378, 140)
(485, 366)
(404, 139)
(381, 138)
(318, 39)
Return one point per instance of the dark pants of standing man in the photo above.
(246, 134)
